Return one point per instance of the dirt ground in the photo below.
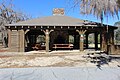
(14, 60)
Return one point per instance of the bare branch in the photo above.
(8, 16)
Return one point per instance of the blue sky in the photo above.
(39, 8)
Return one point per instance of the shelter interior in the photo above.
(37, 37)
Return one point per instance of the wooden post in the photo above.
(96, 41)
(87, 41)
(112, 47)
(81, 33)
(104, 43)
(47, 40)
(26, 37)
(81, 42)
(14, 41)
(9, 38)
(47, 32)
(22, 40)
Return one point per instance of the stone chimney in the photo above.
(58, 11)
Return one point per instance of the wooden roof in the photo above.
(54, 21)
(59, 20)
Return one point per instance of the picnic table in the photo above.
(63, 46)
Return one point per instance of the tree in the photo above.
(117, 32)
(8, 16)
(117, 24)
(118, 2)
(99, 8)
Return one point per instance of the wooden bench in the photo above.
(38, 47)
(62, 46)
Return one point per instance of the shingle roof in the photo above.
(52, 21)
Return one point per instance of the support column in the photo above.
(87, 41)
(112, 47)
(26, 38)
(75, 41)
(81, 33)
(81, 42)
(47, 32)
(9, 38)
(22, 41)
(47, 40)
(14, 40)
(96, 41)
(103, 41)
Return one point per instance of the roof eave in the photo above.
(45, 25)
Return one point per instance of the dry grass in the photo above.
(9, 60)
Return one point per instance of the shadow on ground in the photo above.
(102, 59)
